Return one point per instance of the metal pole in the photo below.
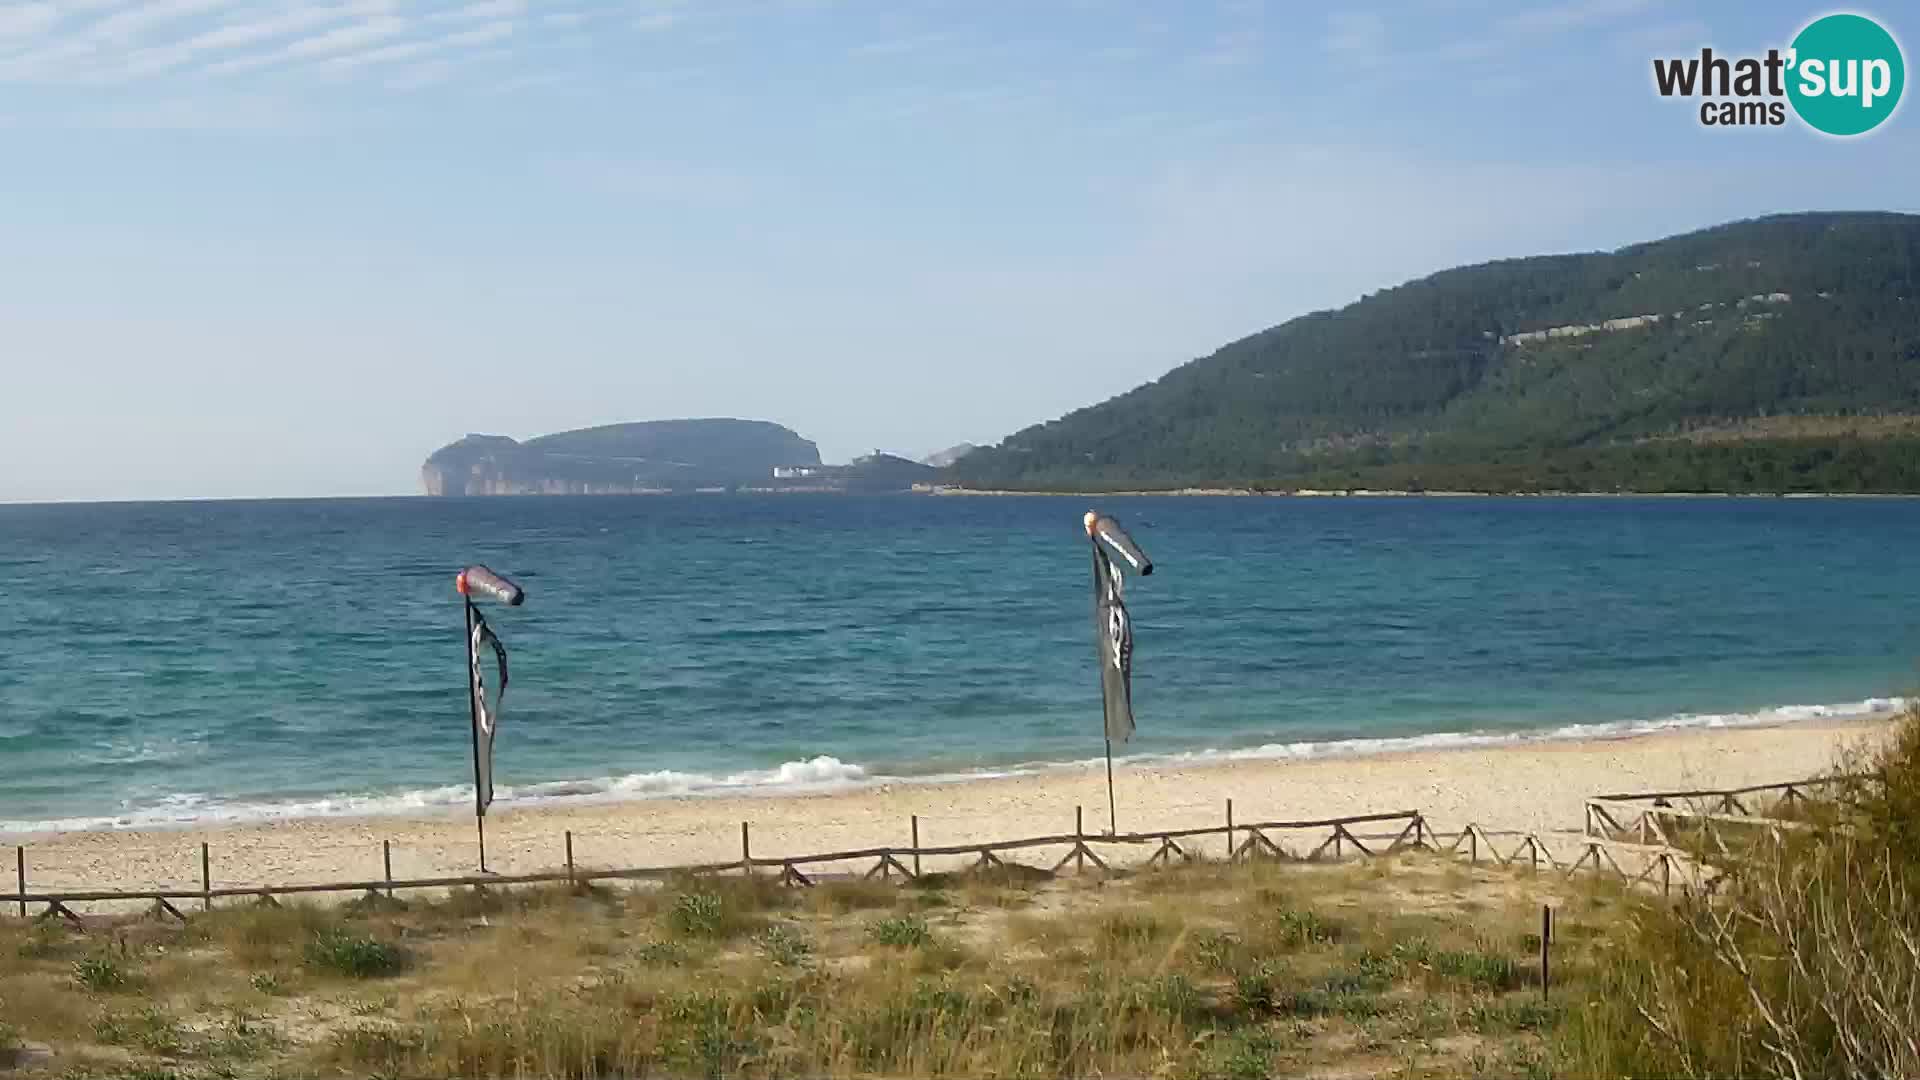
(473, 730)
(20, 870)
(206, 878)
(1113, 825)
(916, 845)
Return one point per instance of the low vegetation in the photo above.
(1417, 967)
(1804, 963)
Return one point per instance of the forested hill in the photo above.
(1780, 354)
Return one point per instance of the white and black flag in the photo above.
(486, 707)
(1112, 625)
(483, 708)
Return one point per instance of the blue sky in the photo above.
(282, 247)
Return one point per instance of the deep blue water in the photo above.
(171, 661)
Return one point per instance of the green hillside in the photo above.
(1781, 354)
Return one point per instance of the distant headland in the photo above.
(659, 457)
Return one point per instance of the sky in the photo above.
(289, 247)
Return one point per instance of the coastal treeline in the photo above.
(1766, 355)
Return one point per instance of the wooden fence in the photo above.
(1331, 838)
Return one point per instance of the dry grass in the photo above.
(1806, 962)
(1206, 970)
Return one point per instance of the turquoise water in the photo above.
(179, 662)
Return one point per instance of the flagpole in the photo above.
(1113, 826)
(473, 730)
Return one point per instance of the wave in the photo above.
(824, 773)
(1777, 716)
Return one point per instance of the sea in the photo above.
(173, 664)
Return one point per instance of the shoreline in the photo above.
(828, 775)
(1536, 786)
(1394, 493)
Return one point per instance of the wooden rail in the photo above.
(889, 861)
(1781, 786)
(1245, 841)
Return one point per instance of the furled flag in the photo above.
(486, 710)
(1112, 626)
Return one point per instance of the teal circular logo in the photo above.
(1845, 74)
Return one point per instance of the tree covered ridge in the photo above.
(1449, 382)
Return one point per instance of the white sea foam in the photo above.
(825, 773)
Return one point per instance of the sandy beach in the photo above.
(1532, 786)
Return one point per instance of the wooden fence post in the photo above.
(20, 871)
(1229, 830)
(386, 864)
(746, 854)
(571, 883)
(916, 845)
(1079, 842)
(1546, 935)
(206, 878)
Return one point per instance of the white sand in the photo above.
(1534, 787)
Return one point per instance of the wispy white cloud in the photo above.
(484, 9)
(340, 39)
(135, 21)
(172, 43)
(352, 36)
(236, 35)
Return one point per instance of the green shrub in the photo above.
(902, 931)
(661, 954)
(353, 955)
(101, 973)
(1214, 950)
(1298, 928)
(1175, 996)
(1524, 1014)
(1483, 970)
(1254, 991)
(1246, 1054)
(702, 915)
(149, 1029)
(784, 946)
